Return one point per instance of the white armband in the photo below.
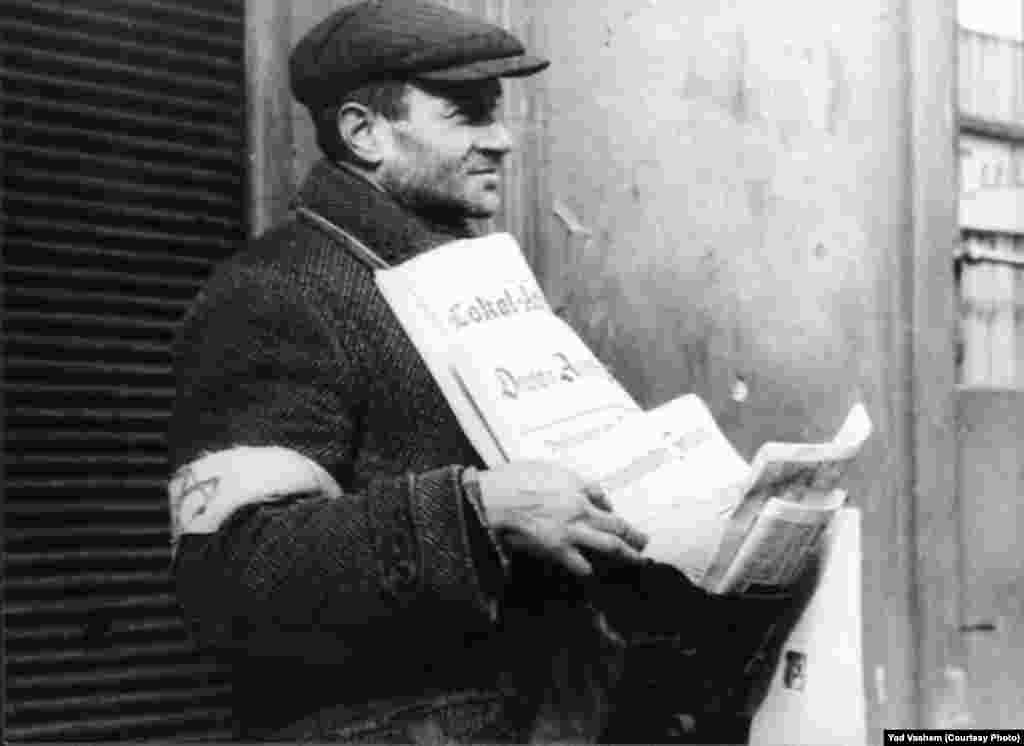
(206, 492)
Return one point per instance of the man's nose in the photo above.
(495, 138)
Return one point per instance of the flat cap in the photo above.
(414, 39)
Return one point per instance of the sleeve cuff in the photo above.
(470, 480)
(458, 553)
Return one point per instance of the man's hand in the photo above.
(550, 512)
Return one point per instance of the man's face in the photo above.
(444, 157)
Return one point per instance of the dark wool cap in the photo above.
(379, 39)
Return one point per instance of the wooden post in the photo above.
(267, 44)
(931, 27)
(974, 322)
(1018, 304)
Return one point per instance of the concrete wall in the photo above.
(743, 169)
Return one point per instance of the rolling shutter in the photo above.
(123, 160)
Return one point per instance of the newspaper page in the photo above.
(457, 287)
(673, 474)
(797, 473)
(543, 388)
(784, 536)
(539, 386)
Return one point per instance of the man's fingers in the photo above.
(576, 562)
(597, 496)
(636, 538)
(606, 543)
(563, 552)
(615, 524)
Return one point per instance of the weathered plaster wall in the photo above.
(742, 168)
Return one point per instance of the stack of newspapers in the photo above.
(523, 385)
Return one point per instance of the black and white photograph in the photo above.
(447, 372)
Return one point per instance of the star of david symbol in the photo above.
(207, 488)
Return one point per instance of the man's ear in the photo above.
(362, 131)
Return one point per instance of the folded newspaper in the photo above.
(523, 385)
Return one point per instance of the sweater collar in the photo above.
(370, 214)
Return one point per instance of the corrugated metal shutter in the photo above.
(123, 149)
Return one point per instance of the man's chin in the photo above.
(447, 207)
(484, 208)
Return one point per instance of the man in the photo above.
(338, 538)
(373, 591)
